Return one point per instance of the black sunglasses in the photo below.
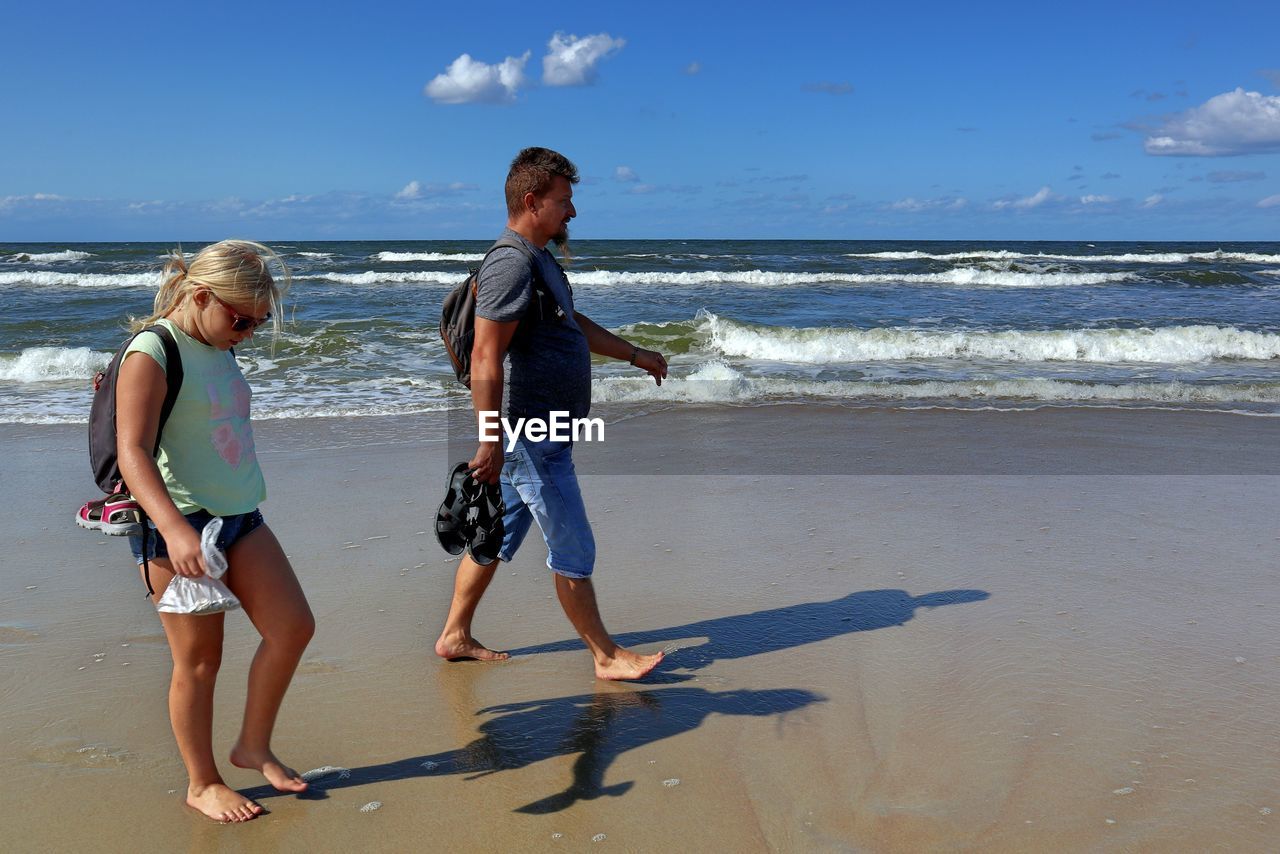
(241, 322)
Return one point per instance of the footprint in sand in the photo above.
(80, 755)
(14, 635)
(318, 665)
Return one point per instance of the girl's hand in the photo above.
(184, 552)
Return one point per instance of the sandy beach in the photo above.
(886, 631)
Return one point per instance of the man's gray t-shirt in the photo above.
(548, 364)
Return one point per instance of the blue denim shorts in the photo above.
(540, 484)
(234, 529)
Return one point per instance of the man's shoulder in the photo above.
(512, 257)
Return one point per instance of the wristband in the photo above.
(635, 351)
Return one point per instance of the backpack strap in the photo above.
(173, 376)
(173, 384)
(541, 293)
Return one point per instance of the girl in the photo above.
(206, 467)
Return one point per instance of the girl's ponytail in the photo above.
(170, 293)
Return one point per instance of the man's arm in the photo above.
(602, 342)
(487, 352)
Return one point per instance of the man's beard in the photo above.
(561, 240)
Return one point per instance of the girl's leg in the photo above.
(263, 580)
(195, 642)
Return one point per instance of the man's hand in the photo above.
(486, 465)
(653, 363)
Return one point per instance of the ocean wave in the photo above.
(46, 278)
(52, 364)
(48, 257)
(297, 409)
(372, 277)
(717, 382)
(1166, 345)
(961, 277)
(1127, 258)
(314, 254)
(428, 256)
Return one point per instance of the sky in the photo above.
(398, 120)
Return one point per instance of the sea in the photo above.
(901, 324)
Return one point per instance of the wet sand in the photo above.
(943, 641)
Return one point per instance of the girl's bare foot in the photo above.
(279, 775)
(466, 648)
(222, 803)
(627, 665)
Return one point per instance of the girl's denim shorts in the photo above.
(234, 529)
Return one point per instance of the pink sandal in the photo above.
(117, 515)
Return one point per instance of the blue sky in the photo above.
(1097, 121)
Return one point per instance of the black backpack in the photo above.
(458, 319)
(103, 457)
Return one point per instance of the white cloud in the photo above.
(693, 68)
(625, 174)
(1232, 123)
(1270, 201)
(572, 61)
(470, 82)
(1041, 196)
(417, 190)
(1096, 200)
(1152, 200)
(913, 205)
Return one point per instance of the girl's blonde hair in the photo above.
(233, 270)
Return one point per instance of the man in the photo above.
(550, 371)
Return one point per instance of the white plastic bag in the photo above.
(205, 594)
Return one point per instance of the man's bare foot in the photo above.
(222, 803)
(466, 648)
(627, 665)
(279, 775)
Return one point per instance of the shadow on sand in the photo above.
(760, 632)
(598, 727)
(601, 726)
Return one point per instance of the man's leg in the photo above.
(578, 598)
(455, 642)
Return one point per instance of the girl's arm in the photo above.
(140, 391)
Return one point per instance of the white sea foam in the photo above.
(81, 280)
(961, 276)
(52, 364)
(49, 257)
(372, 277)
(315, 254)
(717, 382)
(1168, 345)
(1127, 258)
(428, 256)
